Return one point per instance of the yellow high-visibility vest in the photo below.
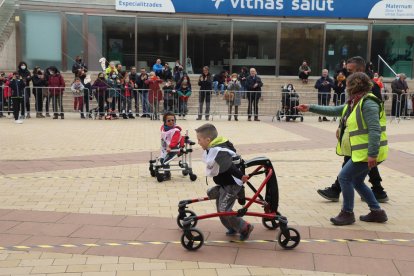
(358, 132)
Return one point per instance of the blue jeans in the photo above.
(145, 103)
(218, 86)
(352, 176)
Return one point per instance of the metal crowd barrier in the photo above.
(142, 102)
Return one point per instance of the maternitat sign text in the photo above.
(375, 9)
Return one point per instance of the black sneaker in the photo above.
(381, 196)
(329, 193)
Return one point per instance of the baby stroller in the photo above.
(161, 167)
(290, 99)
(288, 238)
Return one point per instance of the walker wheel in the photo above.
(188, 213)
(270, 224)
(193, 177)
(185, 172)
(289, 238)
(160, 177)
(192, 239)
(301, 119)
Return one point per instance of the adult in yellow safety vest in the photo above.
(363, 137)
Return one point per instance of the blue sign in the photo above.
(378, 9)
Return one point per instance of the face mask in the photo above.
(114, 76)
(51, 72)
(23, 67)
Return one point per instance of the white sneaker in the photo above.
(18, 122)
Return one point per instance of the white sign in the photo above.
(145, 5)
(393, 9)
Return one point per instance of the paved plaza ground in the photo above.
(76, 197)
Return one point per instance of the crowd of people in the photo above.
(402, 101)
(119, 93)
(128, 94)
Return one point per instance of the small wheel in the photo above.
(287, 118)
(188, 213)
(192, 239)
(301, 119)
(289, 239)
(193, 177)
(270, 224)
(185, 172)
(160, 177)
(152, 172)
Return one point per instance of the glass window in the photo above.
(113, 38)
(158, 39)
(395, 44)
(300, 42)
(208, 43)
(74, 38)
(343, 42)
(254, 45)
(41, 39)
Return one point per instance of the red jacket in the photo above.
(56, 84)
(155, 93)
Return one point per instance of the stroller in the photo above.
(290, 99)
(160, 167)
(288, 238)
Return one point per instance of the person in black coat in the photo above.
(206, 85)
(166, 73)
(254, 87)
(78, 66)
(324, 85)
(26, 77)
(17, 86)
(39, 84)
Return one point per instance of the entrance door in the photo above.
(343, 42)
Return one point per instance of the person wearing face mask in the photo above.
(100, 86)
(114, 85)
(233, 96)
(39, 83)
(17, 86)
(26, 77)
(56, 85)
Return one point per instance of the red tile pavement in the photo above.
(360, 265)
(374, 258)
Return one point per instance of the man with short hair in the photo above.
(254, 87)
(143, 91)
(133, 77)
(324, 85)
(399, 95)
(357, 64)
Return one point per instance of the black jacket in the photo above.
(250, 82)
(79, 65)
(38, 82)
(227, 168)
(205, 82)
(399, 86)
(324, 84)
(17, 86)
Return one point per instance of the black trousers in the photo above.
(204, 96)
(27, 99)
(374, 178)
(38, 94)
(100, 98)
(18, 107)
(398, 105)
(136, 95)
(253, 98)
